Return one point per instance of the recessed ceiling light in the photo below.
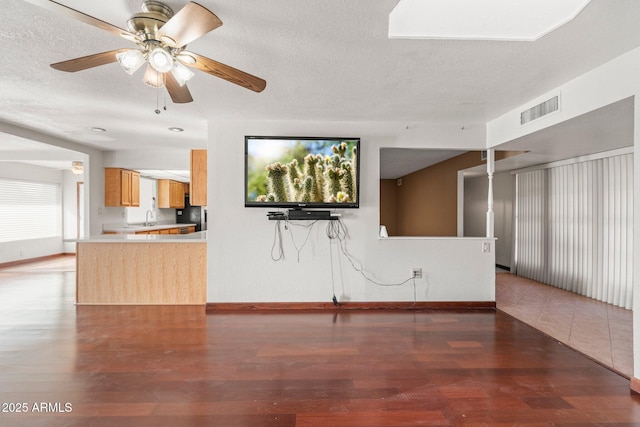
(176, 129)
(96, 129)
(524, 20)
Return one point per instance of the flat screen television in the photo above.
(301, 172)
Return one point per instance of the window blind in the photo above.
(575, 227)
(29, 210)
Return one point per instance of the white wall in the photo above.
(149, 159)
(240, 239)
(148, 202)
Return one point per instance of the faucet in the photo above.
(147, 223)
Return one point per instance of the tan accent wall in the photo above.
(426, 203)
(388, 202)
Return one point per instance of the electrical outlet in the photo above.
(416, 273)
(486, 247)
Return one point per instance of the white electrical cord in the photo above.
(336, 231)
(277, 243)
(287, 225)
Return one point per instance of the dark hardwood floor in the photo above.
(177, 366)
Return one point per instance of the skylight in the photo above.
(521, 20)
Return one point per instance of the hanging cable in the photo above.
(276, 247)
(310, 227)
(337, 231)
(333, 282)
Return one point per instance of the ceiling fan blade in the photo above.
(89, 61)
(190, 23)
(83, 17)
(179, 94)
(228, 73)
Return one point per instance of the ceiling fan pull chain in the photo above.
(157, 95)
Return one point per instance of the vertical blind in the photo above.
(29, 210)
(574, 227)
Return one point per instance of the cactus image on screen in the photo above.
(302, 171)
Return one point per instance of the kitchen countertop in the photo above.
(197, 237)
(125, 229)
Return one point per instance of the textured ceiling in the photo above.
(322, 60)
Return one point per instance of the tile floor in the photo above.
(601, 331)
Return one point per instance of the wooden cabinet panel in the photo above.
(112, 187)
(163, 194)
(125, 188)
(198, 190)
(135, 188)
(176, 194)
(121, 187)
(170, 194)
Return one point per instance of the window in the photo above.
(29, 210)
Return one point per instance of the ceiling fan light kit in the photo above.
(161, 60)
(153, 78)
(130, 60)
(181, 73)
(162, 37)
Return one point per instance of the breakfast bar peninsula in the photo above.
(139, 269)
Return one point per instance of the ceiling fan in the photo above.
(161, 37)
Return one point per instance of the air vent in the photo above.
(540, 110)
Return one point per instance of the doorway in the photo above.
(80, 210)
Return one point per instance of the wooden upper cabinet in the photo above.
(121, 187)
(198, 190)
(135, 188)
(170, 193)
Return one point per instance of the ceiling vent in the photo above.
(547, 107)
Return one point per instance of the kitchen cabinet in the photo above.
(172, 230)
(121, 187)
(164, 271)
(171, 193)
(198, 183)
